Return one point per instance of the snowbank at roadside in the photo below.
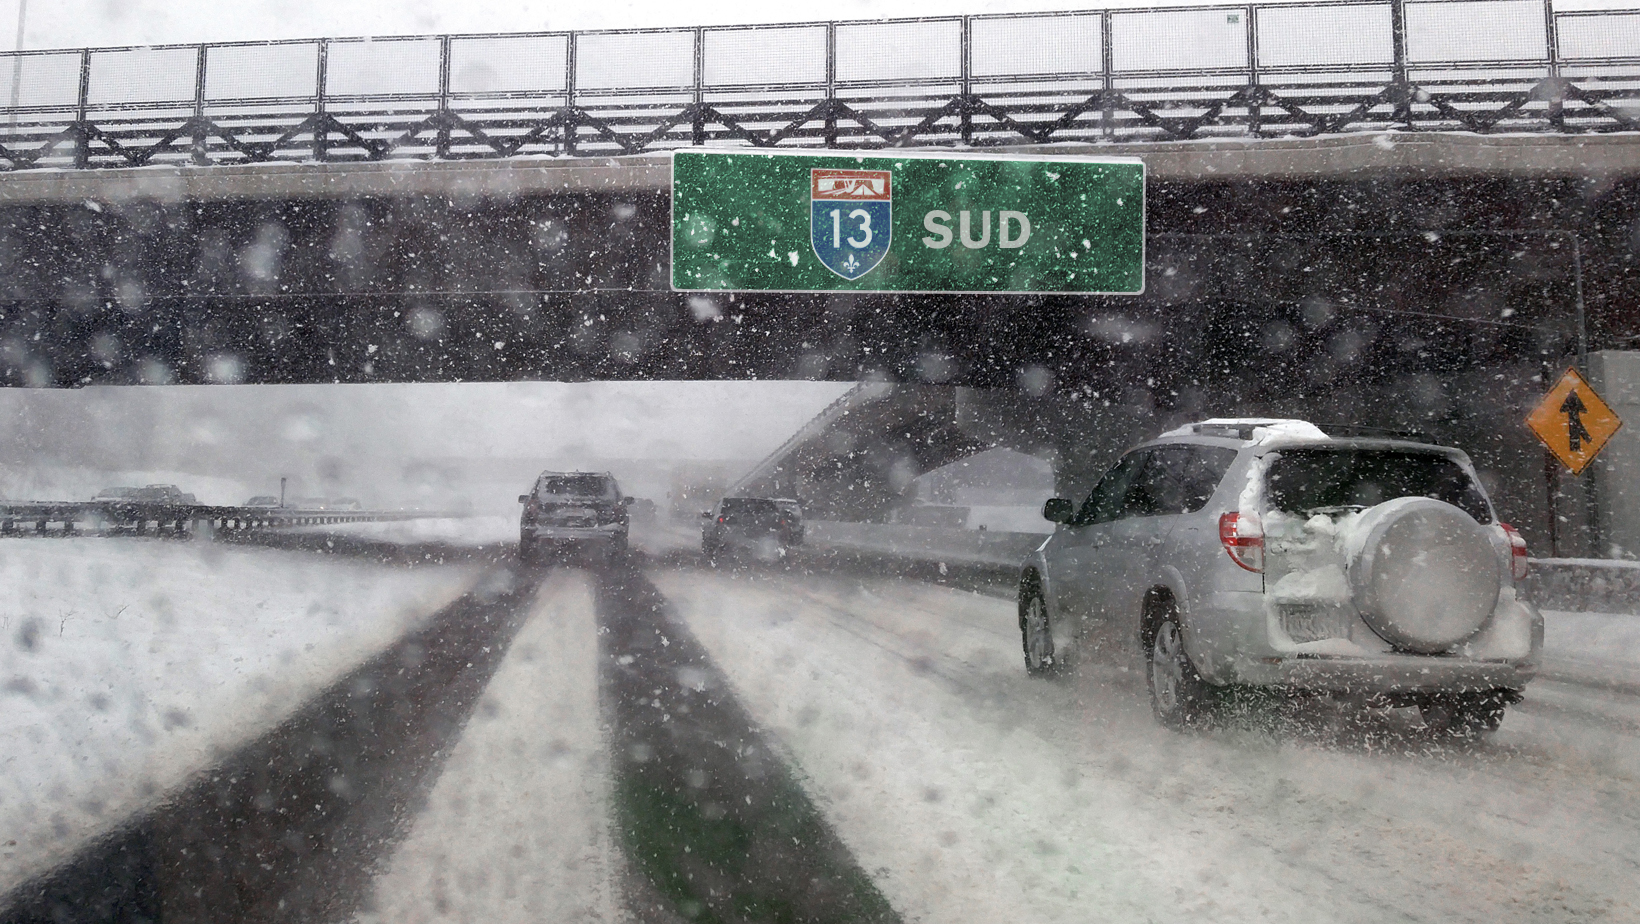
(463, 531)
(1592, 646)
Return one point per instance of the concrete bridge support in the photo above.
(1614, 478)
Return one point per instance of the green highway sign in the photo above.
(906, 222)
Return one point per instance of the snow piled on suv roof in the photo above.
(1252, 429)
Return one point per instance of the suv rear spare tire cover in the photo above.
(1424, 574)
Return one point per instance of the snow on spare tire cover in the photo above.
(1424, 574)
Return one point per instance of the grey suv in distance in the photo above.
(767, 527)
(1265, 553)
(567, 509)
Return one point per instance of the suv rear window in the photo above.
(1304, 480)
(750, 512)
(575, 486)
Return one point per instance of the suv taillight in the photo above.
(1517, 551)
(1243, 539)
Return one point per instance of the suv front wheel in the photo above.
(1038, 632)
(1178, 694)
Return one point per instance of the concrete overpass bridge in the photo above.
(410, 270)
(1401, 210)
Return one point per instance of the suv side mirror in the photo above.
(1058, 510)
(523, 498)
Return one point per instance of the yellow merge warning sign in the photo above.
(1573, 421)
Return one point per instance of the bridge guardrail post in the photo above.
(321, 127)
(1255, 92)
(200, 136)
(1107, 114)
(967, 53)
(570, 123)
(830, 84)
(1551, 35)
(441, 148)
(697, 134)
(1398, 39)
(1551, 38)
(82, 131)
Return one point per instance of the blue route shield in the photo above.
(850, 219)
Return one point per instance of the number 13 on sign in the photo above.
(860, 215)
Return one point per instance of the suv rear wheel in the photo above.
(1178, 694)
(1464, 715)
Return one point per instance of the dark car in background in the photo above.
(570, 509)
(157, 494)
(765, 527)
(127, 508)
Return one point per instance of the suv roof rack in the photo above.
(1243, 430)
(1236, 429)
(1387, 433)
(1232, 431)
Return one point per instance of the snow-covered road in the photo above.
(128, 665)
(977, 794)
(886, 719)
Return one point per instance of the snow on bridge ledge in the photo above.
(1423, 154)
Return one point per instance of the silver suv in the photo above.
(1264, 553)
(573, 509)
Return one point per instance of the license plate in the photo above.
(1307, 623)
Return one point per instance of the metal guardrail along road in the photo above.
(1246, 70)
(61, 518)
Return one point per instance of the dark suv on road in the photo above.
(766, 527)
(154, 494)
(567, 509)
(1265, 553)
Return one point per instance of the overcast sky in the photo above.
(381, 441)
(69, 23)
(73, 23)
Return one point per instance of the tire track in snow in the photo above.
(711, 818)
(291, 826)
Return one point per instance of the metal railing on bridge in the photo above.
(1235, 70)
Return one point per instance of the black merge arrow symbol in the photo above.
(1576, 433)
